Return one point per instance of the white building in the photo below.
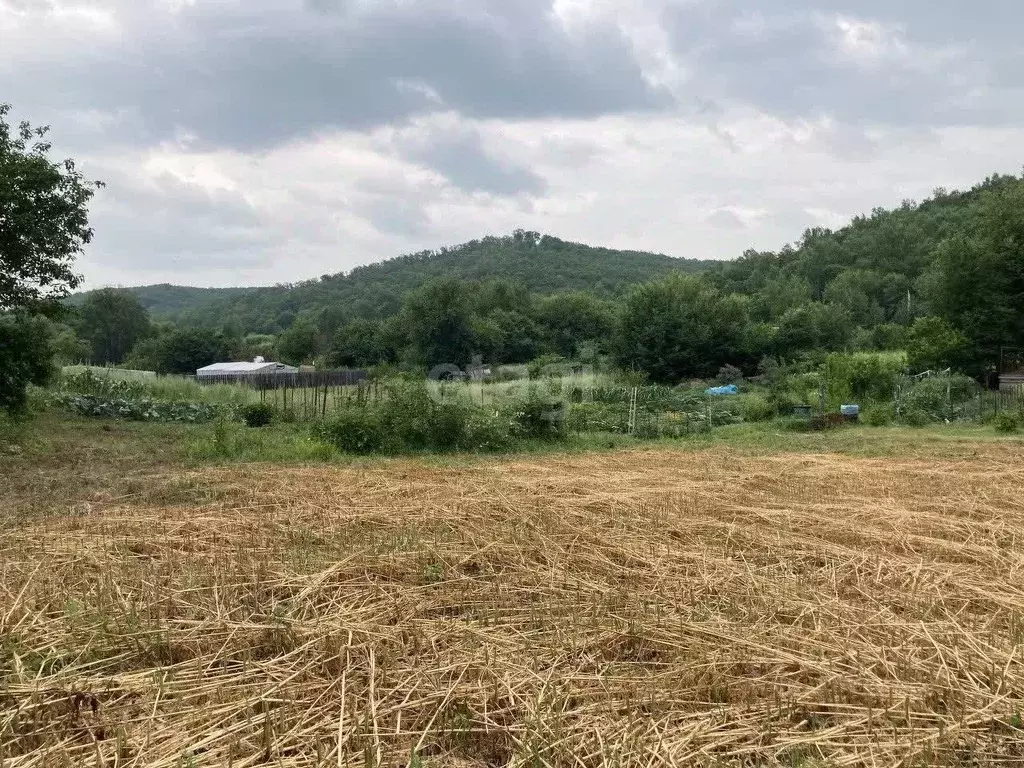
(257, 368)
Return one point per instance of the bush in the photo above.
(258, 415)
(485, 431)
(879, 415)
(915, 417)
(410, 419)
(938, 398)
(784, 402)
(539, 416)
(757, 408)
(545, 365)
(447, 425)
(729, 374)
(857, 376)
(354, 430)
(1006, 423)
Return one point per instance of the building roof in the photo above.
(245, 368)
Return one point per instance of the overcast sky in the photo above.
(263, 141)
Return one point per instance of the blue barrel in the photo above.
(850, 412)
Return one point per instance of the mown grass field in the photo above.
(753, 598)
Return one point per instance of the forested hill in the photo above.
(879, 268)
(172, 302)
(543, 264)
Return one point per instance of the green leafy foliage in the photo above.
(858, 377)
(114, 322)
(258, 415)
(1007, 423)
(935, 345)
(354, 429)
(755, 408)
(299, 344)
(181, 350)
(43, 219)
(140, 409)
(539, 415)
(940, 280)
(409, 418)
(540, 263)
(25, 358)
(878, 414)
(165, 302)
(936, 399)
(438, 323)
(976, 282)
(678, 327)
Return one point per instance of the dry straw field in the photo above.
(630, 609)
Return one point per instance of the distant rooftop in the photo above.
(245, 368)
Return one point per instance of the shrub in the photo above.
(915, 417)
(539, 416)
(938, 398)
(258, 415)
(1006, 423)
(784, 402)
(857, 376)
(354, 430)
(446, 425)
(729, 374)
(879, 415)
(486, 431)
(757, 408)
(545, 365)
(404, 416)
(410, 419)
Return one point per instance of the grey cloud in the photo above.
(782, 57)
(395, 216)
(260, 74)
(184, 226)
(460, 156)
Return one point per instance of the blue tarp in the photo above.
(730, 389)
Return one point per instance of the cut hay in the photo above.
(634, 609)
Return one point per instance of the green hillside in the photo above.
(542, 264)
(173, 302)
